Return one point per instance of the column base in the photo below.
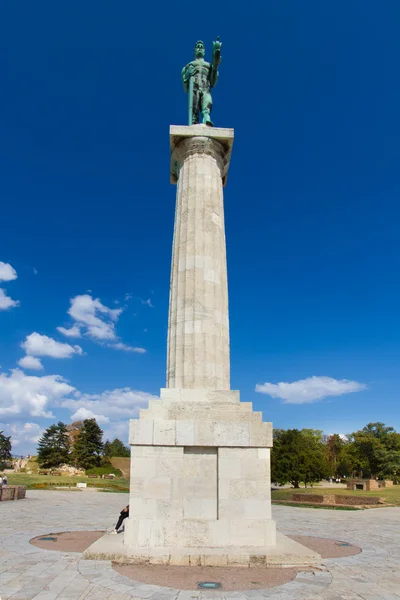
(286, 553)
(199, 533)
(200, 477)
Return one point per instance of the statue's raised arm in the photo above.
(216, 59)
(198, 77)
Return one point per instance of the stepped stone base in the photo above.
(200, 475)
(286, 553)
(194, 417)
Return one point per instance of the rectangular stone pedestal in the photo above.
(286, 553)
(200, 475)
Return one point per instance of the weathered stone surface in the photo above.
(12, 492)
(204, 494)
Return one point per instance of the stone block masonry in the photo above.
(200, 474)
(12, 492)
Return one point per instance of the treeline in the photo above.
(79, 444)
(307, 455)
(298, 456)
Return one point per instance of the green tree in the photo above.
(116, 448)
(376, 451)
(73, 430)
(107, 449)
(378, 430)
(88, 447)
(54, 446)
(5, 449)
(389, 464)
(298, 456)
(348, 460)
(367, 453)
(334, 450)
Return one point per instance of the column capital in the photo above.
(198, 139)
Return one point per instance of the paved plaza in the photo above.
(28, 572)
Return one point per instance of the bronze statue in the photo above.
(198, 78)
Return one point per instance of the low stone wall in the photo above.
(312, 498)
(387, 483)
(362, 484)
(367, 484)
(336, 499)
(12, 492)
(357, 500)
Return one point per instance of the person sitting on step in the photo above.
(122, 515)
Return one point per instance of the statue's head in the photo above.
(199, 50)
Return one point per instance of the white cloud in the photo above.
(23, 397)
(98, 319)
(29, 395)
(30, 362)
(309, 390)
(110, 404)
(42, 345)
(23, 435)
(7, 272)
(6, 302)
(73, 331)
(148, 302)
(126, 348)
(83, 413)
(97, 322)
(128, 297)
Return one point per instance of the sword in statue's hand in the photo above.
(190, 96)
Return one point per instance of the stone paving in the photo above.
(27, 572)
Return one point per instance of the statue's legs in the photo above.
(206, 106)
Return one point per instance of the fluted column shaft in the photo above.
(198, 328)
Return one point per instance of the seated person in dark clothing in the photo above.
(122, 515)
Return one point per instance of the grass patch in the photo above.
(48, 482)
(391, 495)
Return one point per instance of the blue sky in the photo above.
(88, 93)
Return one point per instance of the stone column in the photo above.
(198, 328)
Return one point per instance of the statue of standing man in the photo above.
(198, 78)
